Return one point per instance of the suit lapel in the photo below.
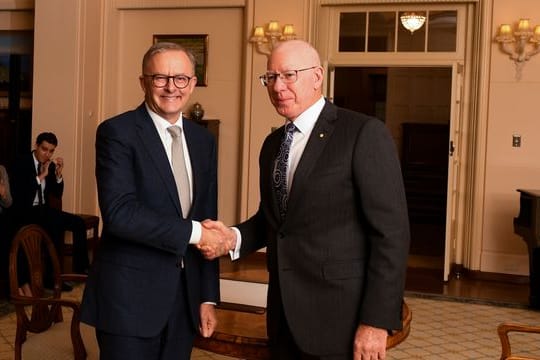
(151, 141)
(268, 157)
(196, 150)
(315, 146)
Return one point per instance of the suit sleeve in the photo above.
(382, 199)
(210, 269)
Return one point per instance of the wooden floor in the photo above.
(424, 276)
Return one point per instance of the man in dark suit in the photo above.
(148, 290)
(337, 239)
(37, 180)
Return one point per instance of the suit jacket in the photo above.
(24, 184)
(338, 258)
(134, 280)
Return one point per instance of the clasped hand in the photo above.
(216, 240)
(58, 166)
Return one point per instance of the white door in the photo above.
(453, 248)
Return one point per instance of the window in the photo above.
(382, 31)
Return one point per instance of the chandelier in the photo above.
(412, 21)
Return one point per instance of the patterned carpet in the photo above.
(443, 329)
(440, 329)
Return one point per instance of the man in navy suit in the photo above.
(149, 290)
(37, 179)
(337, 240)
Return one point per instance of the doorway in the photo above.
(415, 105)
(16, 54)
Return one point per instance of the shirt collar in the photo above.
(35, 159)
(306, 120)
(161, 123)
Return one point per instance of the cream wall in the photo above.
(65, 94)
(512, 110)
(87, 59)
(261, 116)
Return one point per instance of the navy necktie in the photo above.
(280, 171)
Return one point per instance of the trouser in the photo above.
(173, 343)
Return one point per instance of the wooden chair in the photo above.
(41, 313)
(241, 332)
(503, 330)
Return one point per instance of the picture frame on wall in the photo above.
(198, 45)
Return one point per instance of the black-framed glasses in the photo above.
(288, 77)
(160, 81)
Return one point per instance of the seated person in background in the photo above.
(5, 194)
(36, 178)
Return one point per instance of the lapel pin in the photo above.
(321, 135)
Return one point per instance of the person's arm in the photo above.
(5, 193)
(54, 185)
(383, 207)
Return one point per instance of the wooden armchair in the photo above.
(41, 313)
(503, 330)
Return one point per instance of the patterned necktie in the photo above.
(280, 171)
(179, 169)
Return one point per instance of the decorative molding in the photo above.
(16, 4)
(384, 2)
(177, 4)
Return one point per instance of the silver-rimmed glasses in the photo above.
(288, 77)
(160, 81)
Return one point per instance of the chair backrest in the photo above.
(32, 248)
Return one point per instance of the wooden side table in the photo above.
(92, 223)
(241, 332)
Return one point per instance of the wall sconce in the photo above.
(266, 40)
(412, 21)
(515, 43)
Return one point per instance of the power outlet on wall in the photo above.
(516, 140)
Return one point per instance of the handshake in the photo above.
(216, 239)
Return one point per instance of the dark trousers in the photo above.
(173, 343)
(283, 346)
(56, 223)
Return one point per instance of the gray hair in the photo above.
(160, 47)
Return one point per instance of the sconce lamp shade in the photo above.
(520, 43)
(412, 21)
(266, 40)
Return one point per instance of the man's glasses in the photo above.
(288, 77)
(160, 81)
